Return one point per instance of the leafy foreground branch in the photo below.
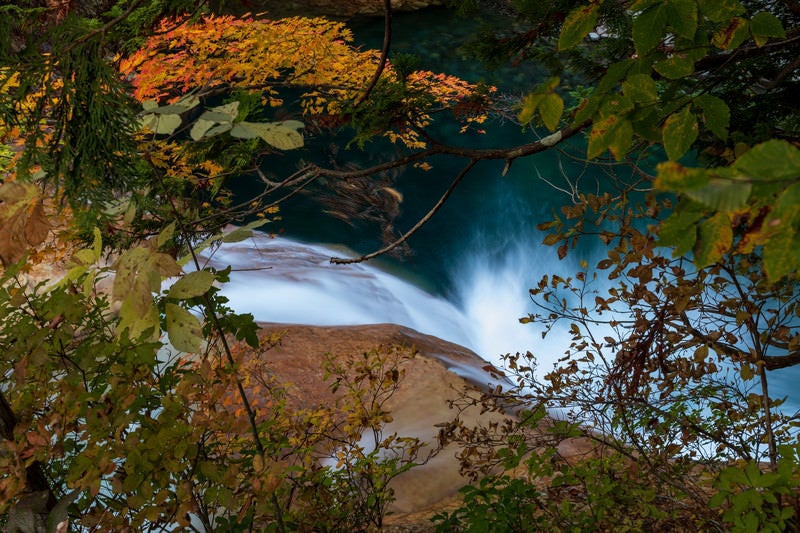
(131, 434)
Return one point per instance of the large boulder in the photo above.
(438, 373)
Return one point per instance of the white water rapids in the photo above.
(284, 281)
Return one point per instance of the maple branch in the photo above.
(421, 222)
(212, 314)
(387, 40)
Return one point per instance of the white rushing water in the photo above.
(280, 280)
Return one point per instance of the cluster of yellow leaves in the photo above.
(228, 52)
(22, 219)
(173, 160)
(260, 56)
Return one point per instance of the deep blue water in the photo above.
(481, 252)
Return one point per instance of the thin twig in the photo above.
(387, 40)
(419, 224)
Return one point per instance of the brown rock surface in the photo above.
(431, 379)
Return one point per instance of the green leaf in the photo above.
(605, 133)
(191, 285)
(720, 10)
(621, 140)
(672, 176)
(675, 67)
(243, 232)
(577, 25)
(181, 106)
(535, 98)
(160, 124)
(716, 114)
(529, 107)
(714, 238)
(184, 329)
(222, 113)
(732, 35)
(220, 128)
(640, 88)
(550, 109)
(613, 76)
(722, 194)
(679, 132)
(648, 28)
(200, 128)
(165, 235)
(764, 25)
(678, 230)
(682, 17)
(774, 160)
(281, 135)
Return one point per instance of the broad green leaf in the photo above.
(532, 101)
(191, 285)
(764, 25)
(774, 160)
(649, 28)
(785, 214)
(228, 112)
(782, 254)
(84, 257)
(243, 232)
(160, 124)
(163, 266)
(732, 35)
(201, 126)
(678, 230)
(672, 176)
(137, 321)
(720, 10)
(716, 114)
(149, 105)
(615, 73)
(276, 134)
(616, 104)
(640, 88)
(181, 106)
(577, 25)
(714, 238)
(220, 128)
(551, 109)
(682, 17)
(587, 108)
(603, 135)
(165, 235)
(529, 107)
(722, 194)
(621, 140)
(97, 243)
(184, 329)
(217, 117)
(675, 67)
(679, 132)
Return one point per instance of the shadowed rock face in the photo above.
(438, 373)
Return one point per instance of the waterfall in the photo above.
(286, 281)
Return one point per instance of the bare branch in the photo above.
(421, 222)
(387, 40)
